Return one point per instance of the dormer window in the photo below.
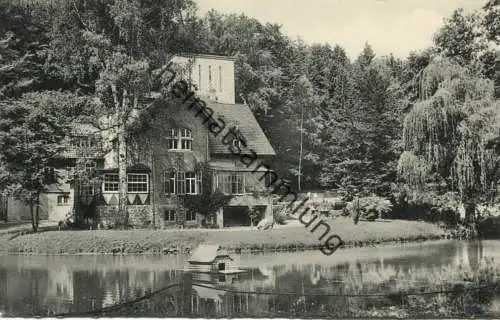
(179, 139)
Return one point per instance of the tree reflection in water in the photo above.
(301, 288)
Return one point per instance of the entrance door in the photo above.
(236, 216)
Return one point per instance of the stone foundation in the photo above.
(140, 216)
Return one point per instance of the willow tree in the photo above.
(450, 136)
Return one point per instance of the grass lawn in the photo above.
(156, 241)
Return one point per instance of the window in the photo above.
(84, 141)
(190, 215)
(89, 165)
(190, 183)
(169, 215)
(111, 182)
(233, 183)
(186, 139)
(137, 183)
(62, 200)
(180, 182)
(50, 175)
(169, 182)
(179, 139)
(237, 186)
(173, 139)
(220, 78)
(87, 190)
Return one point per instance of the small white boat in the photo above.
(212, 259)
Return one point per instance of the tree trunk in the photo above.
(122, 176)
(34, 216)
(470, 212)
(37, 211)
(301, 146)
(76, 203)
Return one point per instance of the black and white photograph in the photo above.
(204, 159)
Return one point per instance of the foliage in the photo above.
(364, 104)
(459, 38)
(369, 208)
(446, 134)
(114, 51)
(208, 203)
(32, 132)
(489, 227)
(280, 213)
(472, 41)
(431, 206)
(23, 40)
(342, 117)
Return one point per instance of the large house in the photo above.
(172, 161)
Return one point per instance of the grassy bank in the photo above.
(171, 241)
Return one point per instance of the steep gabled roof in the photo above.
(82, 129)
(206, 253)
(241, 116)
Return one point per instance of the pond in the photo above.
(305, 283)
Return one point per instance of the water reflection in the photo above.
(273, 284)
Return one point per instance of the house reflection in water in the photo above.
(224, 295)
(59, 288)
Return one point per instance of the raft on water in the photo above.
(212, 259)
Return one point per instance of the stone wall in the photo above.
(140, 216)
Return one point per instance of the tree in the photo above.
(460, 37)
(116, 51)
(491, 20)
(472, 41)
(32, 132)
(362, 133)
(23, 37)
(303, 99)
(450, 136)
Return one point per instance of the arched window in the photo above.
(179, 139)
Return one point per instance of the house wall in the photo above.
(54, 211)
(229, 264)
(256, 192)
(151, 151)
(200, 267)
(219, 87)
(139, 215)
(17, 210)
(49, 208)
(165, 160)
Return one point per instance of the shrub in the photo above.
(369, 208)
(279, 214)
(339, 205)
(489, 227)
(427, 206)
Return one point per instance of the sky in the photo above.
(389, 26)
